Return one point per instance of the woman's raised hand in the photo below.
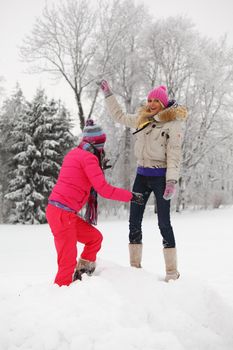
(104, 86)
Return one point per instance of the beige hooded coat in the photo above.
(158, 145)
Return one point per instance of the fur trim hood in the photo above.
(176, 112)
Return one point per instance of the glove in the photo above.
(172, 103)
(170, 190)
(105, 164)
(103, 84)
(137, 198)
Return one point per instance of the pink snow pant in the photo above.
(68, 229)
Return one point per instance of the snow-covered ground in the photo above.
(121, 308)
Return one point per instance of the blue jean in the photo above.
(146, 185)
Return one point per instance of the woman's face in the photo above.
(154, 106)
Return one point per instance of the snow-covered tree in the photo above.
(209, 126)
(41, 138)
(62, 43)
(21, 187)
(12, 108)
(52, 138)
(76, 41)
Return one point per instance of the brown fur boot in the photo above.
(170, 264)
(84, 266)
(135, 254)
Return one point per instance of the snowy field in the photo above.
(121, 308)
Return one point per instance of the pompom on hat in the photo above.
(94, 135)
(159, 93)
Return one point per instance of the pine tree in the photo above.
(52, 138)
(11, 110)
(21, 190)
(41, 138)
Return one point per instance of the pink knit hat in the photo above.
(159, 93)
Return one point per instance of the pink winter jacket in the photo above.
(79, 172)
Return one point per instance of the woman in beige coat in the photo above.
(158, 134)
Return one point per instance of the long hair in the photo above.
(144, 115)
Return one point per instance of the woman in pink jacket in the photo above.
(81, 178)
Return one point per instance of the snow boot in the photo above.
(135, 254)
(84, 266)
(170, 264)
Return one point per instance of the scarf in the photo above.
(91, 213)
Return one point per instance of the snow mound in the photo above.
(117, 308)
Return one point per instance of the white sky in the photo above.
(211, 17)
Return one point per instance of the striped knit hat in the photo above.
(93, 134)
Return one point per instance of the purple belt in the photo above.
(61, 206)
(151, 171)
